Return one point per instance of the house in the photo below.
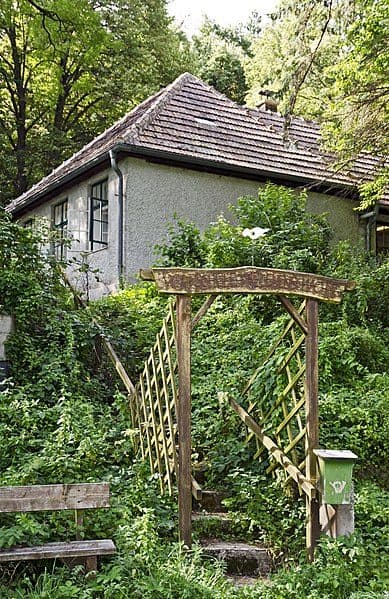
(187, 150)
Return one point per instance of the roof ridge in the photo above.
(152, 112)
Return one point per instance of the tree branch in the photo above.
(300, 80)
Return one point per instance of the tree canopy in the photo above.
(357, 116)
(69, 70)
(220, 54)
(328, 60)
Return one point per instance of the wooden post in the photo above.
(91, 565)
(184, 419)
(312, 419)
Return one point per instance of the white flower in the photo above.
(254, 233)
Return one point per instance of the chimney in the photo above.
(266, 101)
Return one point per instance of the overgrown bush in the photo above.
(63, 417)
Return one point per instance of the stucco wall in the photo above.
(153, 193)
(104, 260)
(340, 214)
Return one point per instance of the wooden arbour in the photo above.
(185, 282)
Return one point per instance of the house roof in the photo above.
(192, 123)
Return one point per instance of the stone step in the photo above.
(221, 516)
(240, 558)
(212, 524)
(243, 581)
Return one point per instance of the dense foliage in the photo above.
(220, 54)
(63, 416)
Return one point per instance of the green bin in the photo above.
(335, 469)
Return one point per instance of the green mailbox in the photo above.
(335, 469)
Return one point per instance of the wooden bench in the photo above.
(52, 498)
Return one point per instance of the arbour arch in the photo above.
(185, 282)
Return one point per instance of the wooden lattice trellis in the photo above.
(287, 425)
(161, 402)
(153, 405)
(288, 407)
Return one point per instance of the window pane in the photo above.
(60, 223)
(57, 215)
(382, 237)
(96, 231)
(99, 215)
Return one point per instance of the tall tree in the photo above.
(45, 69)
(147, 51)
(328, 60)
(67, 71)
(358, 116)
(292, 54)
(221, 53)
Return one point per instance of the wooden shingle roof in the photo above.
(192, 123)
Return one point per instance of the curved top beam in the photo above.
(247, 279)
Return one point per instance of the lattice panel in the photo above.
(282, 416)
(153, 406)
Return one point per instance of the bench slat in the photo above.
(54, 497)
(60, 550)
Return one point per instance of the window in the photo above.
(382, 230)
(60, 225)
(377, 229)
(98, 219)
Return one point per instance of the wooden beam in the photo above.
(196, 490)
(203, 310)
(39, 498)
(274, 450)
(312, 419)
(62, 550)
(184, 419)
(247, 279)
(118, 364)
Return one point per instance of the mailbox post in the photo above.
(336, 487)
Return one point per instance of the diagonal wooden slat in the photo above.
(284, 393)
(145, 428)
(295, 314)
(203, 310)
(290, 415)
(274, 451)
(291, 354)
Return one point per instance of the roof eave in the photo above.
(219, 165)
(40, 196)
(187, 161)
